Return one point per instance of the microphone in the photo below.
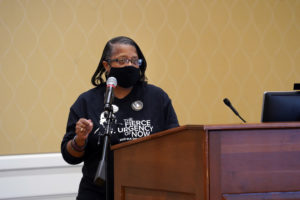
(227, 103)
(101, 174)
(111, 83)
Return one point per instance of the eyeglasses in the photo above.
(123, 61)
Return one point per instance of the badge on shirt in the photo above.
(137, 105)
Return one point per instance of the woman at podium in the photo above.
(138, 110)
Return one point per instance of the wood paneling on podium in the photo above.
(215, 162)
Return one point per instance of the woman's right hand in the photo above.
(82, 130)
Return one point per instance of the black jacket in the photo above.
(157, 114)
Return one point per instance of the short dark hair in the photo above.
(107, 51)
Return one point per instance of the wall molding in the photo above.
(38, 176)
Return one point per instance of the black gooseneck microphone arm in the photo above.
(227, 103)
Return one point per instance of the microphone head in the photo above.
(111, 81)
(227, 102)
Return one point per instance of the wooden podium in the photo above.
(216, 162)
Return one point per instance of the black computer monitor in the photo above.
(296, 86)
(281, 107)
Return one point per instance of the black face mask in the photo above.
(126, 76)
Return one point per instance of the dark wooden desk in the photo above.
(211, 162)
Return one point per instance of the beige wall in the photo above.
(199, 51)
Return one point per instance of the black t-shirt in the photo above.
(146, 110)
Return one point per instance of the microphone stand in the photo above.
(102, 171)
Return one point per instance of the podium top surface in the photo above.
(213, 127)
